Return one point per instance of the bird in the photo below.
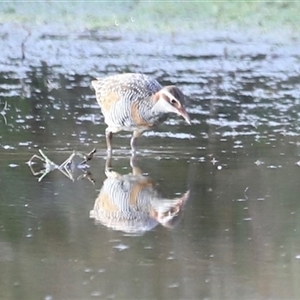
(136, 102)
(131, 203)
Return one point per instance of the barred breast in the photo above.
(125, 100)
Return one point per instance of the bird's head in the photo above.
(170, 99)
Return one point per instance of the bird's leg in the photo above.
(135, 135)
(109, 136)
(108, 165)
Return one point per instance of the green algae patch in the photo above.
(167, 16)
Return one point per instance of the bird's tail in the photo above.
(96, 83)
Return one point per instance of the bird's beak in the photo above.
(182, 112)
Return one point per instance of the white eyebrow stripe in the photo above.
(168, 94)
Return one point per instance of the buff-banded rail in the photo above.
(132, 204)
(136, 102)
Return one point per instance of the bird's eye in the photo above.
(173, 101)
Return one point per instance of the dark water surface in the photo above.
(234, 235)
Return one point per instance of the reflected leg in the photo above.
(108, 168)
(135, 169)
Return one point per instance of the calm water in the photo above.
(222, 195)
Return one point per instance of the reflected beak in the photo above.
(182, 112)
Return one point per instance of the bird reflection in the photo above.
(130, 203)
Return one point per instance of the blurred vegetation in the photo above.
(155, 15)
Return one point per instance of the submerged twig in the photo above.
(88, 175)
(245, 192)
(87, 157)
(48, 164)
(67, 167)
(3, 112)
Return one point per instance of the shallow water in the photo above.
(236, 235)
